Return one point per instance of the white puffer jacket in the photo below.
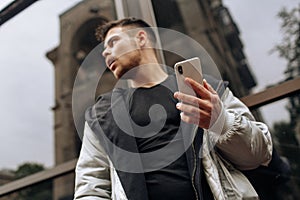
(243, 142)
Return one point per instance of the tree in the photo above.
(289, 49)
(36, 192)
(286, 132)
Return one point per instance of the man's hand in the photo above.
(202, 110)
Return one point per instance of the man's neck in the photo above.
(148, 75)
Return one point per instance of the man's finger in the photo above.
(208, 86)
(199, 89)
(189, 99)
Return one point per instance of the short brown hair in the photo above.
(102, 30)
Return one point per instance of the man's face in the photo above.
(121, 51)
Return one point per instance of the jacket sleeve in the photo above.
(242, 140)
(92, 181)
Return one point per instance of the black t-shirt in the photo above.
(172, 181)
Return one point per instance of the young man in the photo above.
(119, 158)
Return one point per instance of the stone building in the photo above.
(206, 21)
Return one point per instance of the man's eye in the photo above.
(113, 42)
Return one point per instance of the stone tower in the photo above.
(76, 41)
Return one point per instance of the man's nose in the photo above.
(106, 52)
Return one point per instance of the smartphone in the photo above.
(188, 68)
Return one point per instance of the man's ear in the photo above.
(142, 38)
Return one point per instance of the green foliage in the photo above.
(41, 191)
(289, 49)
(28, 169)
(289, 46)
(285, 132)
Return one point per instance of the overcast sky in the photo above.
(27, 76)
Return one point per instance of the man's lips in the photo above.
(110, 63)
